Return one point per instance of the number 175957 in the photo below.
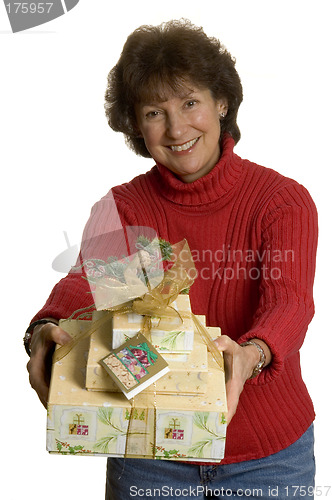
(29, 8)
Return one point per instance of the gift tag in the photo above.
(135, 365)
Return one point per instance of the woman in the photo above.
(175, 95)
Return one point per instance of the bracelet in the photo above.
(260, 365)
(28, 333)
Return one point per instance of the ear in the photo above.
(222, 106)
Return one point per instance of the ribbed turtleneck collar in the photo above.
(218, 185)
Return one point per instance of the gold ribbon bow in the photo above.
(154, 303)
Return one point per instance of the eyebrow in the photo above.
(184, 95)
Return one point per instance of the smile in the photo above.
(184, 147)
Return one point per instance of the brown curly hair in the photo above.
(157, 60)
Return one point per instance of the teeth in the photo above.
(184, 147)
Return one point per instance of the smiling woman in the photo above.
(174, 61)
(175, 95)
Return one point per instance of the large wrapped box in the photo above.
(188, 372)
(176, 427)
(168, 334)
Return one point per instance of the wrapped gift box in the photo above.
(168, 334)
(188, 372)
(186, 428)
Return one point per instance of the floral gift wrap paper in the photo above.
(188, 372)
(149, 426)
(168, 334)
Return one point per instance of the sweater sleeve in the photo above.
(289, 232)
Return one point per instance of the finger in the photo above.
(48, 335)
(224, 343)
(42, 393)
(233, 395)
(37, 378)
(56, 334)
(39, 367)
(42, 348)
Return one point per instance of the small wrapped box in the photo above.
(188, 372)
(186, 428)
(168, 334)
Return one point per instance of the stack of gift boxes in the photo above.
(181, 416)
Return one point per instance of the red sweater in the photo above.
(253, 236)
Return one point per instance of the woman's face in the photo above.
(182, 133)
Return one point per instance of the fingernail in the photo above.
(65, 338)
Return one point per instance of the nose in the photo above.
(175, 125)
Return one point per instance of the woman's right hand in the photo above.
(42, 347)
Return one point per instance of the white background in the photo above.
(58, 156)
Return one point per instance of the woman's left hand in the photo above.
(239, 365)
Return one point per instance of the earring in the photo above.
(222, 115)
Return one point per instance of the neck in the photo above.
(214, 187)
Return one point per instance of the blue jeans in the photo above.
(290, 473)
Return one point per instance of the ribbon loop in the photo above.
(152, 356)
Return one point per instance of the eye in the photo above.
(152, 114)
(191, 103)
